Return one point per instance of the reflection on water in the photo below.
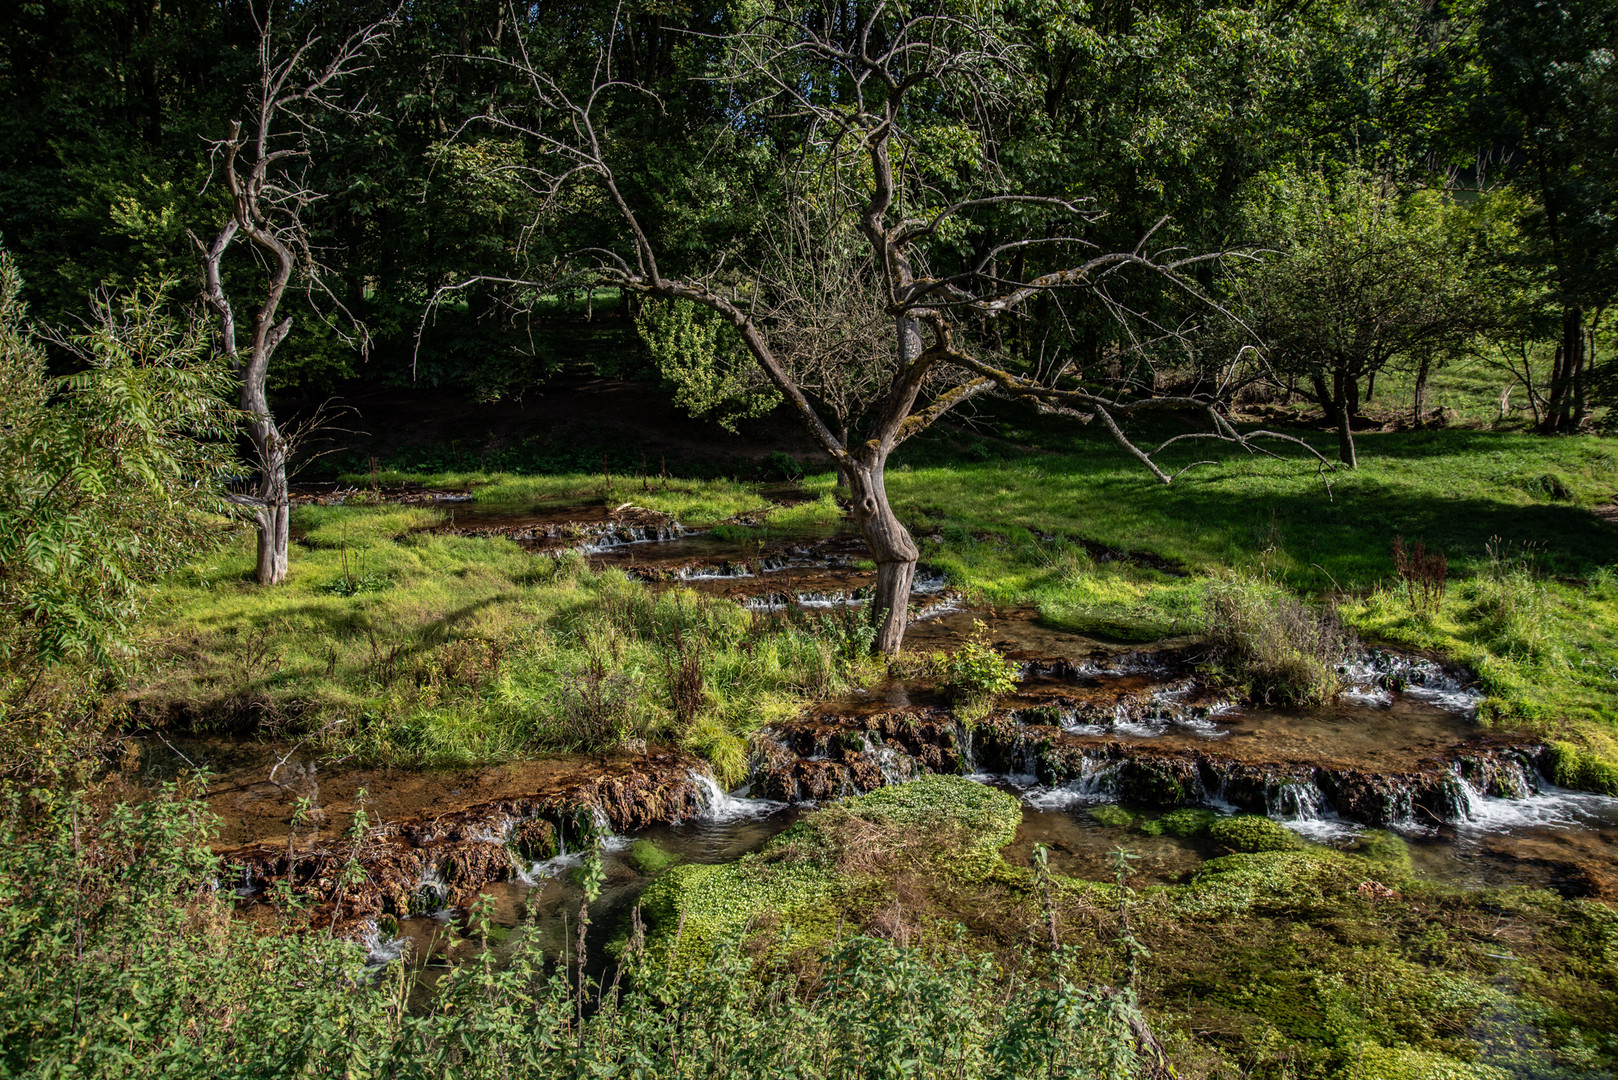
(549, 902)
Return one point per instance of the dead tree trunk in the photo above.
(260, 168)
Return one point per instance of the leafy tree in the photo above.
(1550, 66)
(1363, 278)
(886, 122)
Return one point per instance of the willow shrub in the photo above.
(119, 957)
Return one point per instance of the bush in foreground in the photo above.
(119, 957)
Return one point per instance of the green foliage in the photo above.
(976, 670)
(108, 477)
(1185, 823)
(1253, 833)
(1114, 817)
(1577, 767)
(1278, 649)
(649, 859)
(119, 958)
(704, 358)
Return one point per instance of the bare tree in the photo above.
(841, 83)
(264, 165)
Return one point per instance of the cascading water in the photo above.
(896, 767)
(1374, 677)
(720, 805)
(1304, 808)
(1096, 782)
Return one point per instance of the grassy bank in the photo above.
(402, 645)
(1017, 510)
(1060, 518)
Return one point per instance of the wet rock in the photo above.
(417, 865)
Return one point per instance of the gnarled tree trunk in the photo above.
(272, 509)
(890, 544)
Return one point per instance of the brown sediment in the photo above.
(463, 844)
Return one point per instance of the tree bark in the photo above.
(891, 546)
(1420, 407)
(273, 514)
(1345, 432)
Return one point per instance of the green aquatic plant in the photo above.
(1253, 833)
(1114, 817)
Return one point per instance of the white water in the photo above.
(721, 805)
(1302, 807)
(1372, 676)
(1096, 783)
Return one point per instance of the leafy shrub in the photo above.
(1253, 833)
(780, 464)
(975, 670)
(1280, 650)
(597, 708)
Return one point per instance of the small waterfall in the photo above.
(1373, 678)
(431, 893)
(720, 805)
(246, 888)
(1399, 810)
(1304, 808)
(896, 767)
(377, 950)
(965, 737)
(1097, 782)
(616, 536)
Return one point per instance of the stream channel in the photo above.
(1092, 723)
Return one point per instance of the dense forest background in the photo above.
(1234, 125)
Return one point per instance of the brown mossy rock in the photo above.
(467, 849)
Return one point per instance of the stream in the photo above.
(1091, 723)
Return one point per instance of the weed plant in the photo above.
(119, 957)
(1279, 650)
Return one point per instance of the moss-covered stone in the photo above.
(1252, 833)
(1114, 817)
(649, 859)
(694, 907)
(987, 819)
(792, 887)
(1184, 823)
(1386, 849)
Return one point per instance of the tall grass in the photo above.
(1281, 651)
(472, 650)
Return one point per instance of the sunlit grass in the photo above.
(454, 650)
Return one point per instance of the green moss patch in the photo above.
(1253, 833)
